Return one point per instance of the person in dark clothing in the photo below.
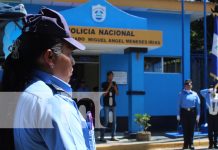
(110, 88)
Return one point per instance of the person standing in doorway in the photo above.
(188, 111)
(212, 115)
(82, 87)
(109, 102)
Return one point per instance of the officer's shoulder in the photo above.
(40, 89)
(195, 93)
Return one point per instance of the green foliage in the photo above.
(197, 34)
(143, 120)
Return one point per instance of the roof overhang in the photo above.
(194, 8)
(167, 5)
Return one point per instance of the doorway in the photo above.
(86, 74)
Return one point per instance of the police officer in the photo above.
(40, 66)
(189, 112)
(212, 115)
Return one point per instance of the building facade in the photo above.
(141, 42)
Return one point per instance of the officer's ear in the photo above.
(49, 58)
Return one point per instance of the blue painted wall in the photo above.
(32, 9)
(161, 88)
(115, 18)
(162, 93)
(171, 26)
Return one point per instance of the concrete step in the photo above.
(199, 144)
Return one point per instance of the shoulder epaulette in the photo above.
(58, 90)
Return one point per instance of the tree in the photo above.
(197, 34)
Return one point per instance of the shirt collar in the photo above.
(51, 79)
(187, 91)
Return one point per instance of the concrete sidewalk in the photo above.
(158, 142)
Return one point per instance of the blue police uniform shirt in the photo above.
(45, 120)
(211, 103)
(206, 94)
(188, 99)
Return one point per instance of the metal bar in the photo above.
(183, 40)
(205, 57)
(205, 48)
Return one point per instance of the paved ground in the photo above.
(198, 148)
(158, 142)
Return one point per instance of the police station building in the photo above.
(140, 41)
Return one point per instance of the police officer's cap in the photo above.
(52, 23)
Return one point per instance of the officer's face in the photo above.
(188, 86)
(63, 64)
